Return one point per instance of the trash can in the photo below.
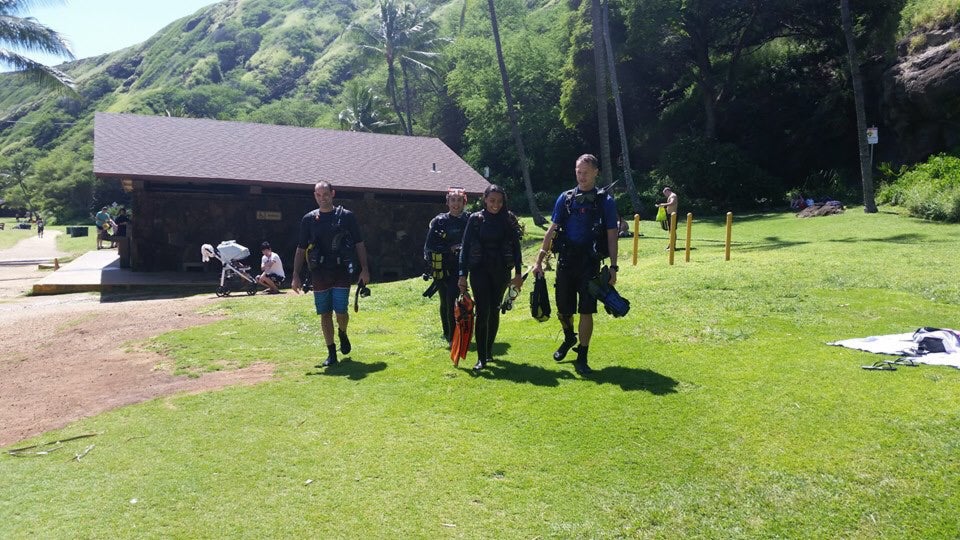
(78, 231)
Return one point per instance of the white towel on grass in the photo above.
(906, 345)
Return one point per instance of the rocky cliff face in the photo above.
(921, 93)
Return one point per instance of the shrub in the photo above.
(929, 190)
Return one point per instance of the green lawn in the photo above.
(79, 245)
(717, 411)
(10, 236)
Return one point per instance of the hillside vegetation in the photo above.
(732, 108)
(918, 14)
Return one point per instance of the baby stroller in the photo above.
(231, 255)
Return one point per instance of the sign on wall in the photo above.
(267, 215)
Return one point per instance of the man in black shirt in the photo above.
(329, 242)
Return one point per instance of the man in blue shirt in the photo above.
(583, 233)
(105, 224)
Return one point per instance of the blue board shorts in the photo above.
(333, 299)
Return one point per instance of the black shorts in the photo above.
(276, 278)
(571, 291)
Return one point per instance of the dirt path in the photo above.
(67, 357)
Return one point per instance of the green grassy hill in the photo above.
(270, 61)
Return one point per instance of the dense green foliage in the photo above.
(717, 411)
(928, 13)
(733, 102)
(929, 190)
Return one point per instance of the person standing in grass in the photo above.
(583, 233)
(271, 269)
(670, 206)
(491, 247)
(442, 253)
(329, 242)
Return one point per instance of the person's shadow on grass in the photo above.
(631, 379)
(522, 373)
(350, 369)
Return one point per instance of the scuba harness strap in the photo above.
(561, 244)
(328, 252)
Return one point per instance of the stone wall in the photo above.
(921, 93)
(171, 222)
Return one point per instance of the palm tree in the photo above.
(601, 89)
(514, 123)
(615, 88)
(419, 53)
(365, 109)
(26, 34)
(406, 37)
(866, 170)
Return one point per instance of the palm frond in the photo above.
(45, 76)
(29, 35)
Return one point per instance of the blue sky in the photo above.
(95, 27)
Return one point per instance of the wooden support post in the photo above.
(636, 236)
(689, 227)
(672, 237)
(729, 233)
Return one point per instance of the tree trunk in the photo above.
(601, 89)
(463, 16)
(514, 124)
(866, 168)
(615, 87)
(392, 88)
(406, 98)
(708, 93)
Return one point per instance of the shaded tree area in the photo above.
(738, 101)
(532, 45)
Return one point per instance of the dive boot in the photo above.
(344, 342)
(331, 357)
(568, 341)
(580, 364)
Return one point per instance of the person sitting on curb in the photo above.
(271, 270)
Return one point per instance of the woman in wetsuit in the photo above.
(490, 248)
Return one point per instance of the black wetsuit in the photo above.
(444, 237)
(491, 247)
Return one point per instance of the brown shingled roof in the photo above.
(161, 148)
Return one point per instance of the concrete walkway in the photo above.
(32, 251)
(100, 271)
(94, 271)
